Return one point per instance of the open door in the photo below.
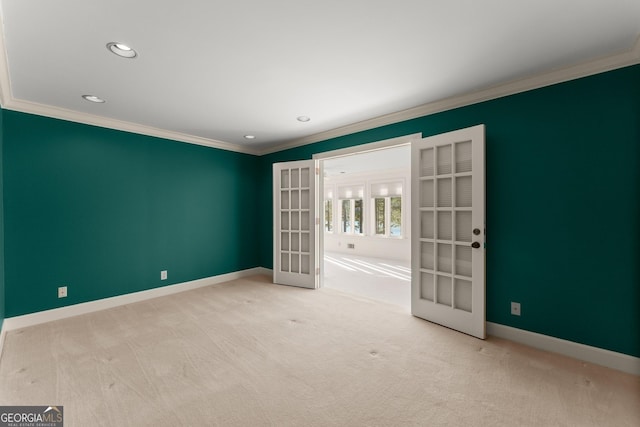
(448, 230)
(294, 224)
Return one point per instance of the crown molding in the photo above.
(599, 65)
(105, 122)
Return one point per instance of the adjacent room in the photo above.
(367, 231)
(408, 213)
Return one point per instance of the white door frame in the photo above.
(326, 155)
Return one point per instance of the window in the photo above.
(328, 215)
(387, 213)
(351, 209)
(351, 216)
(379, 212)
(346, 216)
(357, 217)
(387, 208)
(395, 228)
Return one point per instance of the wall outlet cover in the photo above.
(515, 308)
(163, 275)
(62, 292)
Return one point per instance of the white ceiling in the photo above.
(212, 71)
(393, 158)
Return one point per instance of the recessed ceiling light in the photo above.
(93, 98)
(303, 119)
(250, 137)
(122, 50)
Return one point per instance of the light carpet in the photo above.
(250, 353)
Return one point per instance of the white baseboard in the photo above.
(595, 355)
(23, 321)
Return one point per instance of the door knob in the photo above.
(475, 245)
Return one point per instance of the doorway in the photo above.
(447, 219)
(365, 205)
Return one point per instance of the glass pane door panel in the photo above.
(427, 255)
(443, 293)
(305, 262)
(445, 231)
(304, 221)
(464, 192)
(463, 295)
(463, 261)
(304, 178)
(426, 193)
(304, 242)
(463, 226)
(304, 199)
(284, 241)
(284, 178)
(444, 258)
(444, 192)
(463, 157)
(426, 162)
(426, 286)
(426, 225)
(444, 159)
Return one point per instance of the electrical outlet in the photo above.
(351, 245)
(515, 308)
(163, 275)
(62, 292)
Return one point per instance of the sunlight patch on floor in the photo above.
(382, 279)
(375, 267)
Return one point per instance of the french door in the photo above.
(448, 230)
(294, 216)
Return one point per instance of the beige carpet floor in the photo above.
(249, 353)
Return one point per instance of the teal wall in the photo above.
(563, 214)
(103, 212)
(2, 305)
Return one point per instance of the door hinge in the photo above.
(317, 171)
(317, 221)
(317, 271)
